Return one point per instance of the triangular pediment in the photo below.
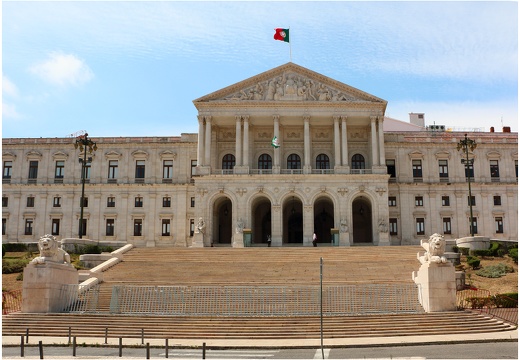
(289, 83)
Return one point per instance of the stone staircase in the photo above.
(254, 267)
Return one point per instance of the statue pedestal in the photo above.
(42, 286)
(383, 239)
(437, 286)
(238, 240)
(198, 240)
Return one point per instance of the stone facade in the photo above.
(335, 169)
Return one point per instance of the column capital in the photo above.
(207, 118)
(306, 117)
(276, 117)
(238, 118)
(373, 118)
(336, 117)
(245, 117)
(344, 117)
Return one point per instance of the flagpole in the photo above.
(290, 47)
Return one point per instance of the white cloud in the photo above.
(63, 70)
(9, 111)
(9, 88)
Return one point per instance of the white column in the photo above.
(207, 160)
(200, 144)
(337, 148)
(382, 160)
(306, 142)
(344, 145)
(245, 159)
(276, 119)
(374, 140)
(238, 141)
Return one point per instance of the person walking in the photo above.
(314, 240)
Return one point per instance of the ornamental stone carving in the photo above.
(51, 251)
(435, 247)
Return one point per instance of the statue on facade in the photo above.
(201, 226)
(51, 251)
(382, 226)
(435, 247)
(343, 225)
(240, 226)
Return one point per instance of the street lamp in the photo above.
(466, 145)
(83, 142)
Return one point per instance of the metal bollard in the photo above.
(142, 336)
(40, 347)
(22, 350)
(74, 346)
(203, 350)
(106, 335)
(70, 333)
(165, 348)
(147, 350)
(120, 347)
(27, 336)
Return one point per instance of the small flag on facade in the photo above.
(281, 34)
(275, 142)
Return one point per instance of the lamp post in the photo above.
(83, 142)
(466, 145)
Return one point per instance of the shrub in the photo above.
(505, 300)
(3, 250)
(15, 247)
(474, 262)
(464, 251)
(495, 271)
(513, 253)
(455, 249)
(479, 302)
(10, 266)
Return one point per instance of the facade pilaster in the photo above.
(276, 151)
(207, 158)
(344, 145)
(238, 141)
(381, 141)
(245, 159)
(307, 167)
(337, 147)
(200, 144)
(373, 141)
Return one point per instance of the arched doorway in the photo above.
(261, 220)
(222, 215)
(292, 221)
(323, 219)
(362, 221)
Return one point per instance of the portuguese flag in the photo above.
(281, 34)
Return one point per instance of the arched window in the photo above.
(228, 161)
(358, 161)
(322, 162)
(265, 162)
(294, 162)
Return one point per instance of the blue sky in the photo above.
(133, 68)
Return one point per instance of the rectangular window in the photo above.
(417, 168)
(516, 168)
(419, 226)
(56, 202)
(390, 168)
(446, 225)
(60, 169)
(393, 226)
(55, 226)
(85, 202)
(28, 226)
(497, 200)
(112, 169)
(87, 170)
(110, 227)
(419, 201)
(138, 227)
(84, 227)
(192, 227)
(166, 201)
(499, 225)
(5, 201)
(193, 166)
(475, 228)
(445, 200)
(443, 169)
(192, 202)
(4, 226)
(165, 227)
(30, 201)
(33, 169)
(111, 201)
(8, 169)
(473, 201)
(139, 169)
(493, 168)
(392, 201)
(138, 201)
(167, 169)
(469, 170)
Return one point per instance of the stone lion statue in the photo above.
(435, 247)
(51, 251)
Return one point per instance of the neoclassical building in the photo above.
(280, 156)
